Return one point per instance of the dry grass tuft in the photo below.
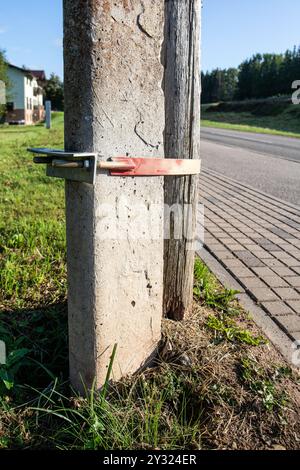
(262, 412)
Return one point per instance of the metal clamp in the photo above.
(74, 166)
(83, 167)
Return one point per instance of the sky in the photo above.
(232, 30)
(31, 33)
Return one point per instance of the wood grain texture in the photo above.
(182, 140)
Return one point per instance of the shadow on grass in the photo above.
(36, 345)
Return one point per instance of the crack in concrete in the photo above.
(139, 24)
(140, 137)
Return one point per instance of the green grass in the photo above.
(32, 232)
(246, 128)
(285, 122)
(149, 413)
(226, 310)
(37, 407)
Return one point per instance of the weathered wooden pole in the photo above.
(182, 140)
(114, 106)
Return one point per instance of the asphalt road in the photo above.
(269, 163)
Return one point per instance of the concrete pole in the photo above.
(114, 105)
(182, 140)
(48, 114)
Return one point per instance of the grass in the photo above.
(216, 382)
(226, 310)
(264, 386)
(252, 128)
(32, 233)
(274, 120)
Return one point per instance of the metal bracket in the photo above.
(83, 166)
(74, 166)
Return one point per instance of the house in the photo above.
(24, 100)
(40, 76)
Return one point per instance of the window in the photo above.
(10, 106)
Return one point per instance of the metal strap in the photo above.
(82, 166)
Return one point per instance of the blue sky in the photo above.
(232, 30)
(31, 33)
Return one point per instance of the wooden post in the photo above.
(114, 106)
(48, 114)
(182, 140)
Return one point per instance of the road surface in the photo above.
(268, 163)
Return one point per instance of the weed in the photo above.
(140, 414)
(207, 289)
(262, 384)
(226, 328)
(222, 301)
(8, 371)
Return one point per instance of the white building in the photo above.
(24, 100)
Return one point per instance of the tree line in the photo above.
(261, 76)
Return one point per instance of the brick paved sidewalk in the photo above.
(256, 237)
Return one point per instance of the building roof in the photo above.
(38, 74)
(21, 69)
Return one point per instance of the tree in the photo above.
(230, 84)
(249, 78)
(219, 85)
(261, 76)
(54, 92)
(266, 75)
